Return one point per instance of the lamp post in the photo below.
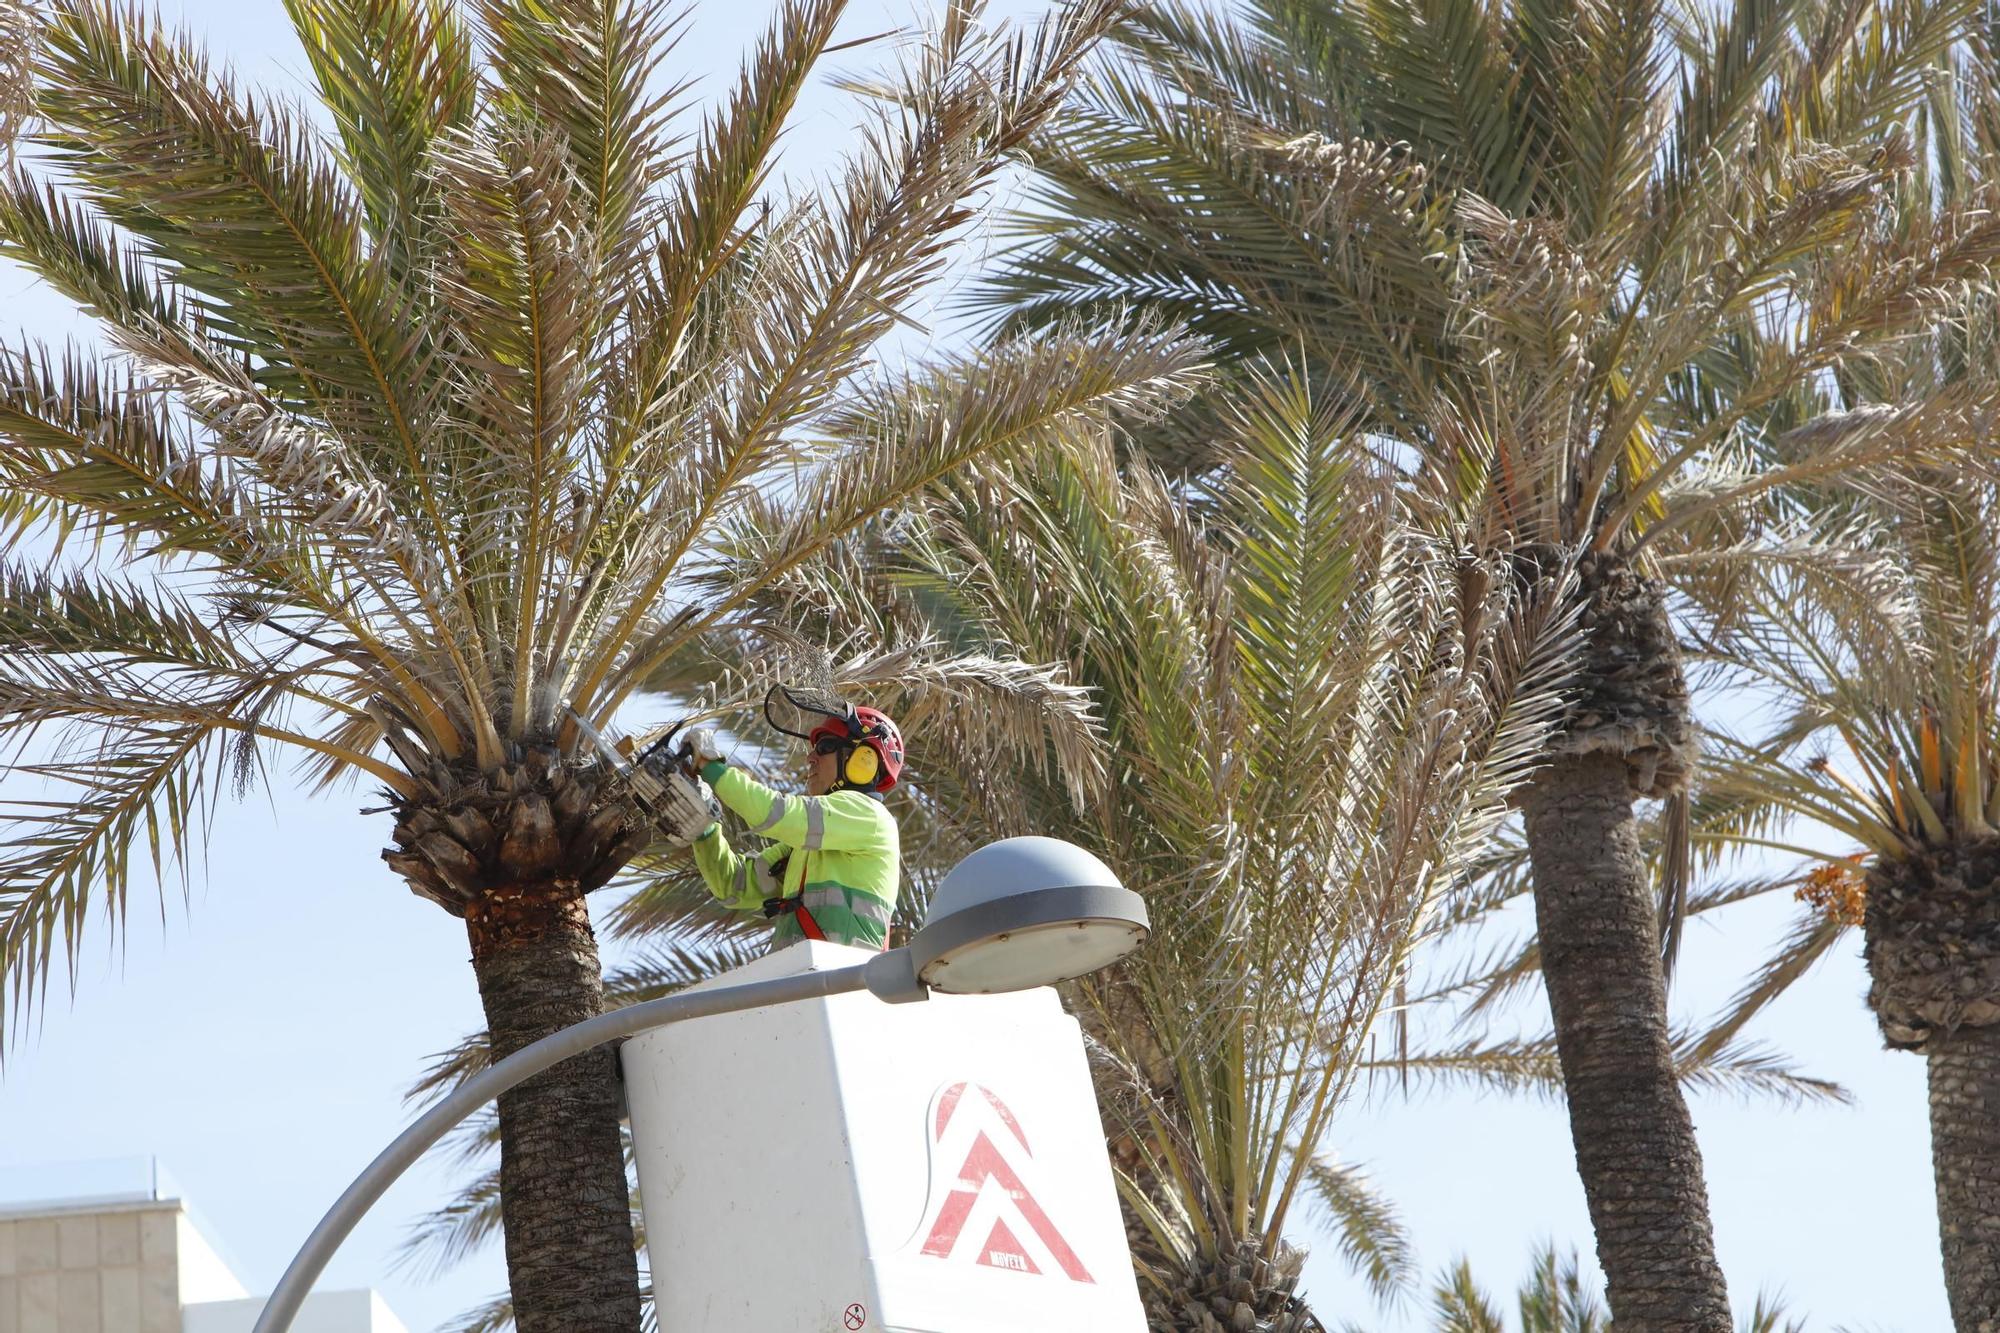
(1014, 915)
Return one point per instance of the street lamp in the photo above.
(1025, 912)
(1016, 914)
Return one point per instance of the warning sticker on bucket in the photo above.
(986, 1197)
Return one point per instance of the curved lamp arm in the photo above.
(890, 976)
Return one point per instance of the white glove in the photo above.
(703, 745)
(686, 808)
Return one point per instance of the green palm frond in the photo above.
(1642, 284)
(668, 900)
(1009, 400)
(152, 797)
(1480, 978)
(1371, 1238)
(1883, 725)
(1812, 937)
(1456, 92)
(179, 707)
(1460, 1306)
(494, 1316)
(497, 1314)
(1768, 1316)
(235, 198)
(82, 258)
(460, 1227)
(584, 70)
(733, 156)
(1013, 712)
(1528, 1065)
(1555, 1300)
(1887, 722)
(663, 967)
(397, 76)
(449, 1234)
(1343, 182)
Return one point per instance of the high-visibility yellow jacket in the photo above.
(838, 854)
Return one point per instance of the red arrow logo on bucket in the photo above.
(984, 1164)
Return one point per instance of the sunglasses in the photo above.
(830, 745)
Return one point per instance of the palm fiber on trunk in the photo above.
(1635, 1144)
(1965, 1156)
(565, 1203)
(1931, 937)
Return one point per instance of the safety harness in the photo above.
(793, 906)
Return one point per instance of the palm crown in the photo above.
(1528, 240)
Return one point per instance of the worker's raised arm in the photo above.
(841, 821)
(730, 875)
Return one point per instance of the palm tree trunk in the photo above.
(1634, 1139)
(570, 1258)
(1929, 935)
(1965, 1155)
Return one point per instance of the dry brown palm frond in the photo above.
(20, 23)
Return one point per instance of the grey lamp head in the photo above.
(1025, 912)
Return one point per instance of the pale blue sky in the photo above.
(258, 1039)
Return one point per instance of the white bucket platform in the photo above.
(843, 1164)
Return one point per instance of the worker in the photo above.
(832, 869)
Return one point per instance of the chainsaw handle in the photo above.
(665, 739)
(683, 757)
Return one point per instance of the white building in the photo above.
(112, 1247)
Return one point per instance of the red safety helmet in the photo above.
(875, 748)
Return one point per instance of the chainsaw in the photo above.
(662, 779)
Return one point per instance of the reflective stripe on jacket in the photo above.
(844, 859)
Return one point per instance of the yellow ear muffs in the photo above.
(863, 767)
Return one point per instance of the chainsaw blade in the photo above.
(643, 784)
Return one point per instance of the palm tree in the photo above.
(1313, 714)
(1888, 727)
(420, 437)
(1531, 243)
(1880, 672)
